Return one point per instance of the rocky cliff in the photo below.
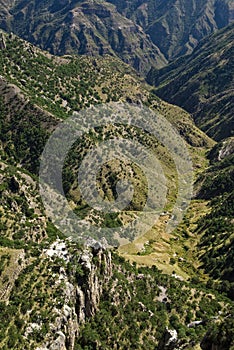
(57, 294)
(88, 290)
(83, 276)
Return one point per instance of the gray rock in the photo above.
(59, 343)
(169, 340)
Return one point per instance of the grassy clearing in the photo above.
(175, 252)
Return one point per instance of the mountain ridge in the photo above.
(143, 34)
(176, 27)
(177, 289)
(90, 28)
(202, 83)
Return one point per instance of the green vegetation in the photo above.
(62, 85)
(215, 229)
(106, 31)
(142, 33)
(49, 284)
(131, 315)
(177, 27)
(202, 83)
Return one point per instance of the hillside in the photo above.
(82, 27)
(202, 83)
(176, 27)
(75, 83)
(217, 227)
(57, 293)
(141, 33)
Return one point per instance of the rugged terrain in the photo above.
(142, 33)
(92, 28)
(176, 27)
(202, 83)
(177, 289)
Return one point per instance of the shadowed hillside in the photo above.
(202, 83)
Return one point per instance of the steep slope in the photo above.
(176, 26)
(82, 27)
(5, 11)
(137, 313)
(55, 293)
(72, 83)
(142, 33)
(220, 336)
(217, 227)
(202, 83)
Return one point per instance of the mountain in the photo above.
(202, 83)
(75, 83)
(176, 26)
(82, 27)
(161, 290)
(60, 294)
(141, 33)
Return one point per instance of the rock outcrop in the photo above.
(81, 298)
(169, 340)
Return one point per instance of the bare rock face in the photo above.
(222, 150)
(81, 299)
(59, 343)
(88, 298)
(177, 26)
(169, 340)
(141, 33)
